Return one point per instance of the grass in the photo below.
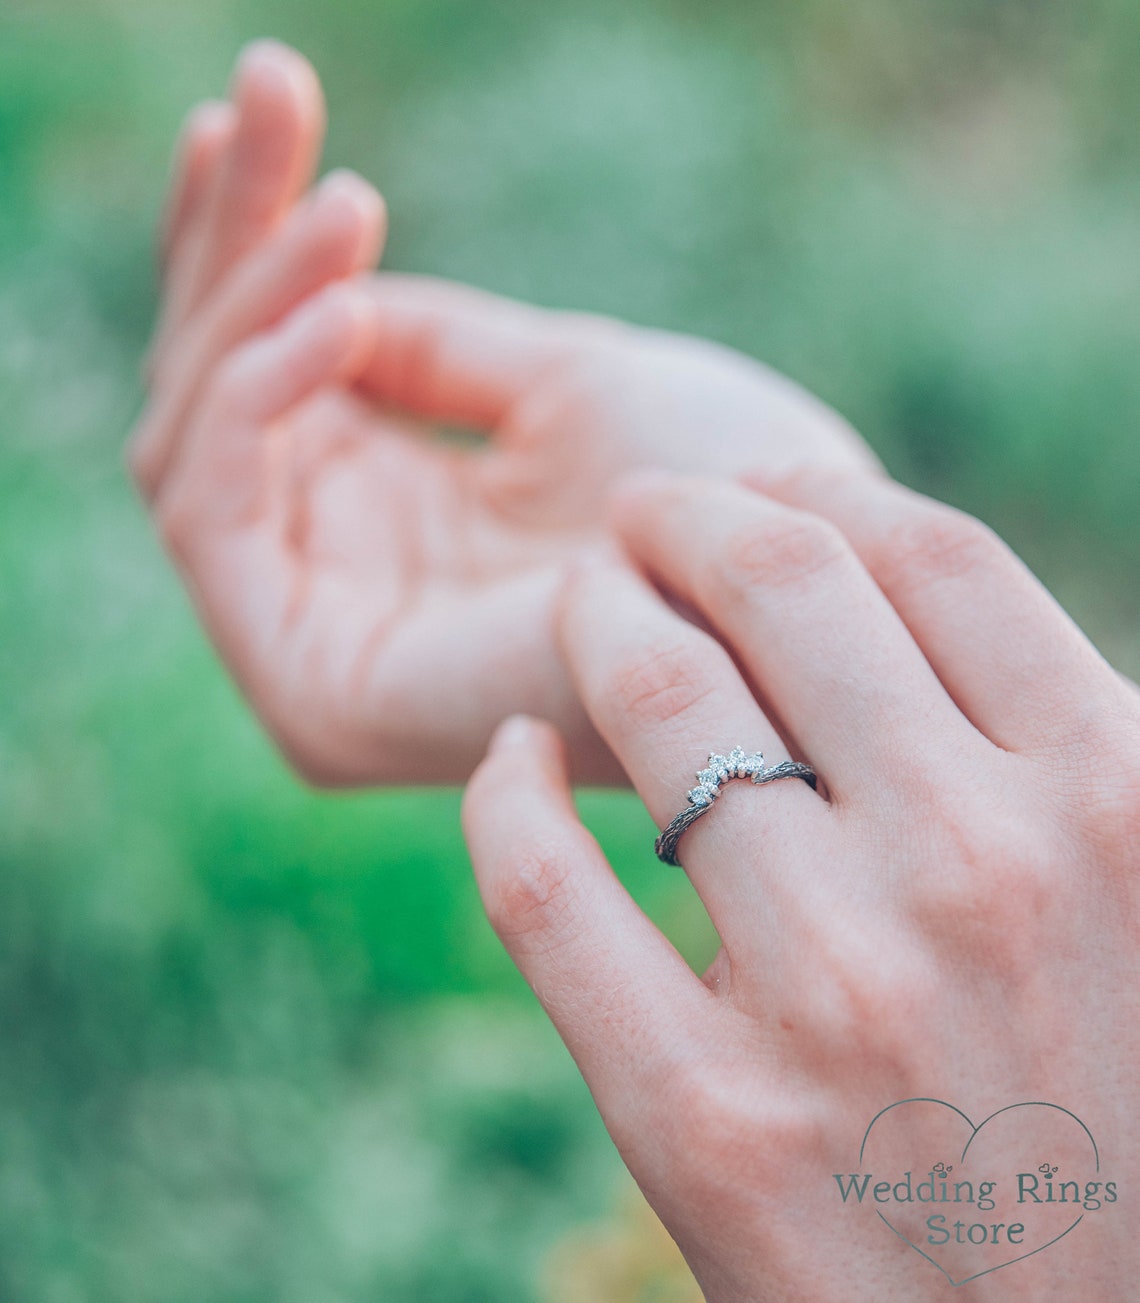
(258, 1043)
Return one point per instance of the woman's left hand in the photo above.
(953, 921)
(382, 595)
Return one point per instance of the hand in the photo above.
(382, 595)
(955, 919)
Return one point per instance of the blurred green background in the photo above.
(259, 1044)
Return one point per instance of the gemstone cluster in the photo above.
(722, 769)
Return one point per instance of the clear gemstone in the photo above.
(699, 796)
(707, 778)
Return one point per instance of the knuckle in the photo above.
(1104, 804)
(871, 995)
(711, 1119)
(533, 901)
(991, 890)
(657, 687)
(1123, 815)
(788, 548)
(938, 542)
(728, 1133)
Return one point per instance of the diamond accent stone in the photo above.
(737, 764)
(722, 769)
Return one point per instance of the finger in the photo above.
(330, 236)
(222, 517)
(806, 621)
(993, 634)
(664, 696)
(221, 480)
(280, 125)
(205, 138)
(275, 146)
(451, 353)
(623, 1000)
(271, 149)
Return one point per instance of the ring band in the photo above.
(721, 770)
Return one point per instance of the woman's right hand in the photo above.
(945, 938)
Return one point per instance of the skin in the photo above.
(384, 596)
(955, 915)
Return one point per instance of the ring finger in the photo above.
(664, 695)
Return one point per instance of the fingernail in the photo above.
(343, 184)
(515, 731)
(342, 178)
(266, 62)
(263, 49)
(209, 116)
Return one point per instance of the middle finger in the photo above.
(808, 623)
(269, 160)
(663, 695)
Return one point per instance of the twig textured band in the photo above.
(721, 770)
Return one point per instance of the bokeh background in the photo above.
(257, 1043)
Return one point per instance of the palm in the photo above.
(421, 571)
(384, 596)
(411, 615)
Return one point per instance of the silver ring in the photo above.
(721, 770)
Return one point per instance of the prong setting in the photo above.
(721, 770)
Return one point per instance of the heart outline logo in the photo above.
(974, 1132)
